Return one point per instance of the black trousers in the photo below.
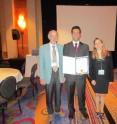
(53, 93)
(78, 82)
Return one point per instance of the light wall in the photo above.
(31, 25)
(34, 26)
(6, 24)
(38, 23)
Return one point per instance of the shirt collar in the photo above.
(74, 42)
(53, 45)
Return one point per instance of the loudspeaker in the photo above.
(15, 34)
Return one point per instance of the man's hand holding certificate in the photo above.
(76, 66)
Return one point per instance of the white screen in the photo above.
(95, 21)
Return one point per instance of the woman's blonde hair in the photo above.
(104, 52)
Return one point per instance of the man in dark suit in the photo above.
(76, 48)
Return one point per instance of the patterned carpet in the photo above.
(28, 104)
(41, 116)
(34, 110)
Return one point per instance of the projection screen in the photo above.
(95, 21)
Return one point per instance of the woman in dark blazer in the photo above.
(101, 73)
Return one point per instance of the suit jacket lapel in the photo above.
(48, 53)
(72, 50)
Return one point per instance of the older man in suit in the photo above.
(76, 48)
(50, 61)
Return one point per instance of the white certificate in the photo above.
(68, 65)
(82, 65)
(75, 66)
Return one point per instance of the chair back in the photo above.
(8, 87)
(33, 70)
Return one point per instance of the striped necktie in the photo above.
(54, 59)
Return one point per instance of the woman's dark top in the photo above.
(101, 70)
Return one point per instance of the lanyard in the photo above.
(101, 61)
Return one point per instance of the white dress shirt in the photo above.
(74, 42)
(57, 55)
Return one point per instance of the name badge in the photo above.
(101, 72)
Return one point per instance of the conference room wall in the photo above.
(34, 26)
(6, 22)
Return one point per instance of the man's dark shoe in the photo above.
(71, 115)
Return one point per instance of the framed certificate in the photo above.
(68, 65)
(82, 65)
(76, 65)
